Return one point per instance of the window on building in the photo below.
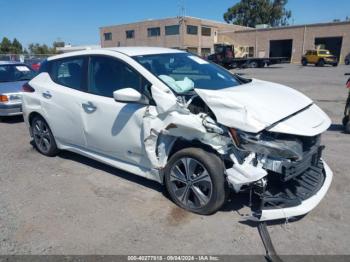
(154, 31)
(108, 36)
(193, 50)
(192, 30)
(130, 34)
(206, 31)
(205, 52)
(172, 30)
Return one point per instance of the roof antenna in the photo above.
(182, 10)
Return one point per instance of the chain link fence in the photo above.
(24, 58)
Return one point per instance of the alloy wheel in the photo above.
(42, 136)
(191, 183)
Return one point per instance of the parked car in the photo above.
(347, 59)
(189, 124)
(34, 63)
(346, 119)
(319, 57)
(12, 77)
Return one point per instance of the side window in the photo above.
(68, 72)
(107, 75)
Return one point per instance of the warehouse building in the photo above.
(293, 41)
(188, 33)
(199, 36)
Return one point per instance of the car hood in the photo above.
(254, 106)
(11, 87)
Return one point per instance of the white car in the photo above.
(175, 118)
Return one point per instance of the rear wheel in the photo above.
(335, 64)
(253, 64)
(347, 62)
(195, 181)
(304, 62)
(43, 139)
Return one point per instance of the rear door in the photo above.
(60, 95)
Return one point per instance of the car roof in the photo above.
(129, 51)
(11, 63)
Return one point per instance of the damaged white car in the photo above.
(175, 118)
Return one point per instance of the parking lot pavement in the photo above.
(72, 205)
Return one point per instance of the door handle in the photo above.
(47, 95)
(89, 107)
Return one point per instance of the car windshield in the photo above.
(183, 72)
(13, 73)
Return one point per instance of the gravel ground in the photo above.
(72, 205)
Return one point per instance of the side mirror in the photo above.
(128, 95)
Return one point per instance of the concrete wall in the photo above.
(303, 38)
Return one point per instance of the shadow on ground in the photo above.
(11, 119)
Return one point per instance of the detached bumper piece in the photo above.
(296, 197)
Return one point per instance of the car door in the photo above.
(60, 92)
(112, 128)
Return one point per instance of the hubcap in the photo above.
(191, 183)
(41, 136)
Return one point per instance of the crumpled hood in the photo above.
(254, 106)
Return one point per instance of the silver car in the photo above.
(13, 76)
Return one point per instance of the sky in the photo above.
(77, 21)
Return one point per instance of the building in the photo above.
(293, 41)
(199, 36)
(188, 33)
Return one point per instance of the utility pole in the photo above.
(181, 18)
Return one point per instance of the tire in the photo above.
(202, 191)
(43, 139)
(335, 64)
(320, 63)
(304, 62)
(347, 62)
(253, 64)
(347, 128)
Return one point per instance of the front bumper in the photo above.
(11, 109)
(305, 207)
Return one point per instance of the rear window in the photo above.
(14, 73)
(68, 72)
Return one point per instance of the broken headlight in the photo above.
(266, 144)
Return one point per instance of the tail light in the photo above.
(348, 84)
(4, 98)
(27, 88)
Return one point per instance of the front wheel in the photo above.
(43, 138)
(195, 181)
(320, 63)
(347, 62)
(347, 127)
(304, 62)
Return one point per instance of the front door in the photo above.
(112, 128)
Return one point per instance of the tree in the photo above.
(16, 47)
(5, 46)
(253, 12)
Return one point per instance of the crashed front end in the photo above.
(285, 174)
(267, 135)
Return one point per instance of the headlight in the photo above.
(266, 144)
